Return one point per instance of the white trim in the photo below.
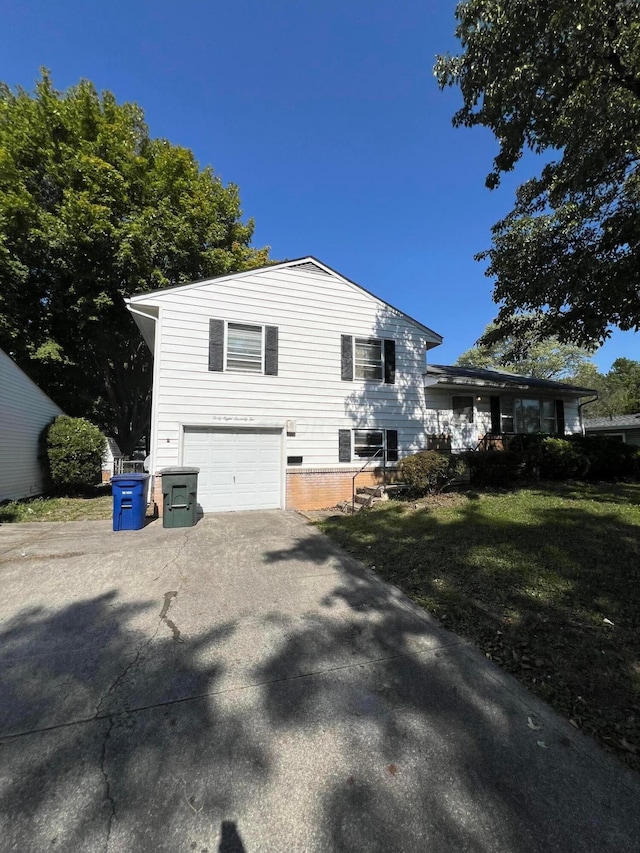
(621, 435)
(153, 438)
(369, 338)
(263, 345)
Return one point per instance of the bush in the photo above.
(561, 459)
(607, 458)
(495, 467)
(429, 472)
(73, 454)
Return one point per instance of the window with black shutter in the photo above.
(243, 347)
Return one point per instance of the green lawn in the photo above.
(534, 577)
(95, 508)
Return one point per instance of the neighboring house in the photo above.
(472, 407)
(624, 427)
(25, 411)
(280, 383)
(111, 461)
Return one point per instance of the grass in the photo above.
(544, 580)
(98, 507)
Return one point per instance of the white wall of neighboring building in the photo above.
(24, 412)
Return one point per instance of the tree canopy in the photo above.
(618, 390)
(92, 209)
(561, 77)
(524, 353)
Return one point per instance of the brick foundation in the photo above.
(319, 489)
(156, 494)
(308, 489)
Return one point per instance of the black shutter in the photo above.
(560, 416)
(389, 362)
(347, 359)
(271, 351)
(344, 445)
(216, 344)
(392, 445)
(496, 426)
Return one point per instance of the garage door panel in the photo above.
(239, 468)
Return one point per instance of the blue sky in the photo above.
(326, 115)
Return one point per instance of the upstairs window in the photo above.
(368, 359)
(244, 348)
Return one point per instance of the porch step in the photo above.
(367, 496)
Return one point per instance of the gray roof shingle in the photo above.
(458, 375)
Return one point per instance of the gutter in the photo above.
(580, 406)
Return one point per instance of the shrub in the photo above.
(495, 467)
(561, 459)
(607, 458)
(73, 453)
(429, 472)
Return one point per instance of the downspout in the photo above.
(580, 407)
(154, 385)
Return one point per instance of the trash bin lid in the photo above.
(179, 470)
(136, 478)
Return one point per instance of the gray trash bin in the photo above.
(179, 496)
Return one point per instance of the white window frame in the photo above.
(515, 418)
(368, 340)
(456, 418)
(237, 370)
(381, 456)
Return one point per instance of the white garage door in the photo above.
(239, 468)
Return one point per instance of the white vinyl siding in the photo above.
(440, 417)
(24, 412)
(311, 311)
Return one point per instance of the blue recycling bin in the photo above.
(129, 501)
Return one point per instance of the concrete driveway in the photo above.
(243, 685)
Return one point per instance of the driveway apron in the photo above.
(244, 685)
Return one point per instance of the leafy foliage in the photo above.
(429, 472)
(618, 390)
(74, 451)
(564, 78)
(91, 210)
(495, 467)
(524, 353)
(592, 458)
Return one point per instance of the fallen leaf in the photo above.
(628, 746)
(574, 724)
(534, 726)
(392, 769)
(608, 622)
(542, 744)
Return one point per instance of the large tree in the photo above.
(93, 209)
(526, 354)
(618, 390)
(561, 77)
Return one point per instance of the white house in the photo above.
(24, 412)
(470, 407)
(280, 383)
(110, 459)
